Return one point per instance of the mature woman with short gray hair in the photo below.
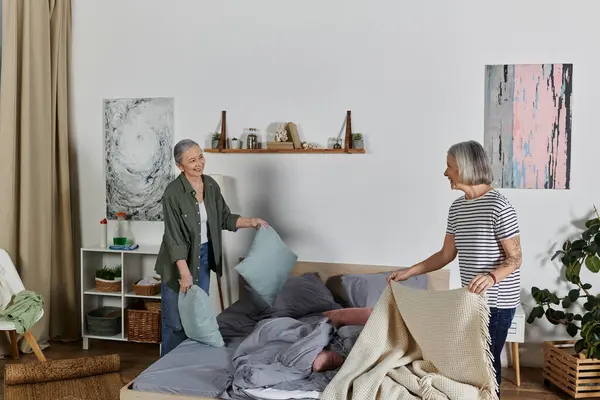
(483, 230)
(195, 213)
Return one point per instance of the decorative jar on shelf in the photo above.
(252, 139)
(236, 143)
(120, 236)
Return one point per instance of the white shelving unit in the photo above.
(135, 265)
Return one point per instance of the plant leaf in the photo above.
(597, 240)
(536, 312)
(558, 253)
(593, 263)
(550, 316)
(587, 286)
(566, 245)
(578, 244)
(574, 295)
(572, 330)
(566, 303)
(592, 222)
(577, 317)
(535, 293)
(579, 346)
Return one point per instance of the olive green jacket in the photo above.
(181, 240)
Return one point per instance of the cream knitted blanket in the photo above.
(420, 344)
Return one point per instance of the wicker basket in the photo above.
(146, 290)
(103, 285)
(143, 326)
(152, 306)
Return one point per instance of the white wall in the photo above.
(412, 72)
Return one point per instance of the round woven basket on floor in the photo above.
(103, 285)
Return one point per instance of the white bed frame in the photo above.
(437, 280)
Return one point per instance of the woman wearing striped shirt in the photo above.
(483, 230)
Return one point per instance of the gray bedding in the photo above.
(265, 346)
(279, 350)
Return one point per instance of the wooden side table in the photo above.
(516, 335)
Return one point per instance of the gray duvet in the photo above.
(265, 347)
(279, 354)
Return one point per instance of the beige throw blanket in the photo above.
(420, 344)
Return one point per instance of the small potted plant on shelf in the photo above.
(236, 143)
(583, 353)
(357, 141)
(216, 139)
(338, 144)
(108, 279)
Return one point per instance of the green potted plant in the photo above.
(108, 279)
(216, 139)
(236, 143)
(584, 326)
(338, 144)
(357, 141)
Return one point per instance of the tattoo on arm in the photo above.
(512, 247)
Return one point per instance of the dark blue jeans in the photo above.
(172, 330)
(500, 322)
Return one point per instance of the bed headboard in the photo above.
(436, 280)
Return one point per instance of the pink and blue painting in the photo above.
(528, 125)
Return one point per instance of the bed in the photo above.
(194, 371)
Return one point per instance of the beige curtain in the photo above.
(35, 184)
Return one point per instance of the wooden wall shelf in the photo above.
(347, 149)
(292, 151)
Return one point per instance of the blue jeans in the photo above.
(172, 330)
(500, 321)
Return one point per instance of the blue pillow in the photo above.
(268, 265)
(197, 317)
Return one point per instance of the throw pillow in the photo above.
(268, 265)
(302, 296)
(364, 290)
(197, 317)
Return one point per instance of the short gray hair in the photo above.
(181, 147)
(473, 163)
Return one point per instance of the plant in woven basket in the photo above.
(585, 250)
(109, 273)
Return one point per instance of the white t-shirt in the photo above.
(478, 226)
(203, 226)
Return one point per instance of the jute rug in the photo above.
(86, 378)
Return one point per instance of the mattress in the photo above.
(191, 369)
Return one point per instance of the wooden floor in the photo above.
(137, 357)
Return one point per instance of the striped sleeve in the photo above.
(506, 225)
(449, 225)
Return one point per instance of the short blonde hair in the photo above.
(473, 163)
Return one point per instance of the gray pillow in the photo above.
(300, 296)
(364, 290)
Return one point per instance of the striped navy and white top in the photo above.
(478, 226)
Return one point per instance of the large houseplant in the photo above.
(585, 250)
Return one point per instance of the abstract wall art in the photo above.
(527, 128)
(138, 142)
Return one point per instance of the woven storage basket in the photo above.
(146, 290)
(108, 286)
(143, 326)
(152, 306)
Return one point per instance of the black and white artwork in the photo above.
(138, 142)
